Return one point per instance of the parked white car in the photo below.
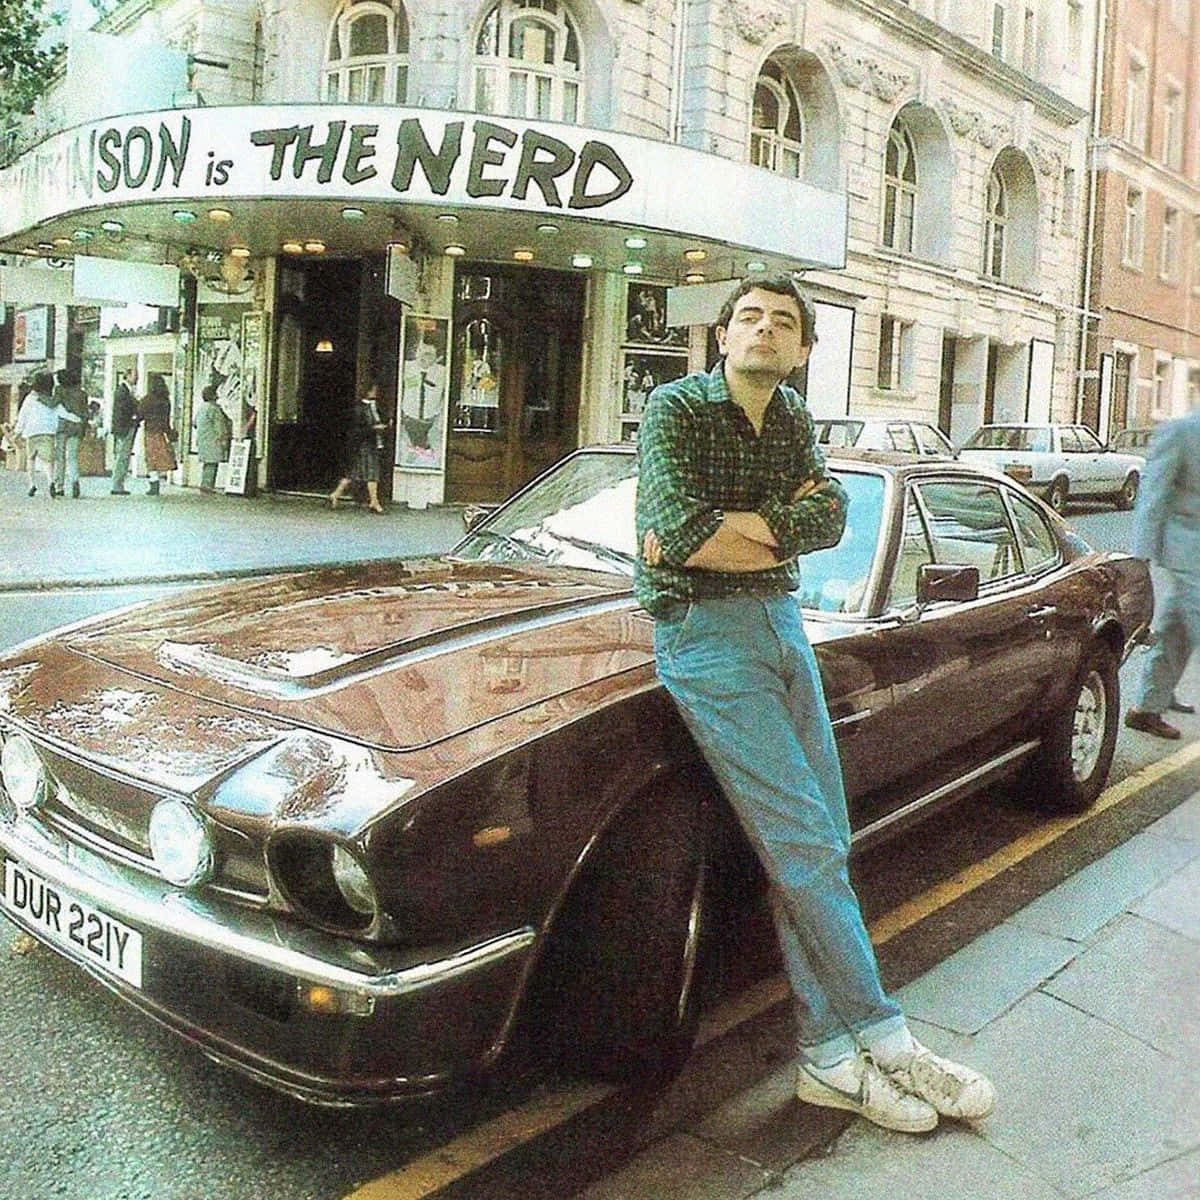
(909, 437)
(1059, 461)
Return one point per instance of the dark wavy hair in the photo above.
(781, 285)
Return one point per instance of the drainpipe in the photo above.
(677, 70)
(1090, 234)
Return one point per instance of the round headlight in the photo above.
(180, 842)
(352, 882)
(22, 771)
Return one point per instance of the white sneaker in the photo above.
(859, 1086)
(952, 1089)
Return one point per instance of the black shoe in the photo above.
(152, 490)
(1152, 723)
(75, 490)
(32, 490)
(118, 492)
(55, 490)
(1181, 706)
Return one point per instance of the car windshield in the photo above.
(1010, 437)
(838, 433)
(581, 515)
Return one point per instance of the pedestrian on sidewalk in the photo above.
(72, 425)
(213, 433)
(124, 429)
(1166, 532)
(37, 424)
(732, 490)
(364, 444)
(154, 409)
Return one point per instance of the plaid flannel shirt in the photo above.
(698, 452)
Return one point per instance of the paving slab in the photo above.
(1182, 822)
(1141, 978)
(1081, 1104)
(984, 979)
(1175, 1180)
(953, 1163)
(1176, 904)
(1083, 904)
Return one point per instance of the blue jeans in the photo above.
(746, 682)
(1177, 623)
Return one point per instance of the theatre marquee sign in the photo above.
(350, 153)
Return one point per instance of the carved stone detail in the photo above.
(1048, 162)
(756, 20)
(971, 124)
(867, 74)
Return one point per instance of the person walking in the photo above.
(154, 410)
(37, 423)
(1166, 532)
(731, 491)
(124, 428)
(364, 442)
(213, 433)
(72, 425)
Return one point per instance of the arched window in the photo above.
(996, 226)
(899, 189)
(776, 123)
(367, 55)
(527, 61)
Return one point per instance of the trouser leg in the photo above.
(753, 702)
(60, 460)
(1177, 623)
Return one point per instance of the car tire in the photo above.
(617, 993)
(1056, 495)
(1072, 766)
(1127, 496)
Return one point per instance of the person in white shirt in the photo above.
(37, 423)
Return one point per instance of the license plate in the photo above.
(58, 917)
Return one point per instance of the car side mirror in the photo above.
(474, 513)
(942, 581)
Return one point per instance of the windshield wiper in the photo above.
(503, 539)
(596, 548)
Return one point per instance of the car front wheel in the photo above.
(1078, 748)
(1127, 496)
(617, 992)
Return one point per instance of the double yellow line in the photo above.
(424, 1177)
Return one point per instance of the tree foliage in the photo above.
(27, 58)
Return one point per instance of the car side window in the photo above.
(1070, 441)
(969, 526)
(914, 551)
(1039, 549)
(902, 438)
(1089, 443)
(931, 441)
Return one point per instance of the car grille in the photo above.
(111, 816)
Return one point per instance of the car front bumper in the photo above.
(327, 1019)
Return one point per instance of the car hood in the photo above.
(395, 656)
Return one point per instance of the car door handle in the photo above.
(1042, 612)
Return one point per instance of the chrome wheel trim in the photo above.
(1087, 738)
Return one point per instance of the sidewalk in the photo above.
(185, 534)
(1084, 1009)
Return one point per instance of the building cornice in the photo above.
(899, 19)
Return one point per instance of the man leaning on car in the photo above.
(1166, 531)
(732, 489)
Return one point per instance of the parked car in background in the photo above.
(1061, 462)
(906, 437)
(1135, 440)
(364, 832)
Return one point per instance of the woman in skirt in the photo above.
(364, 441)
(154, 409)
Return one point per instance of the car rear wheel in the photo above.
(1127, 496)
(1056, 497)
(617, 992)
(1078, 749)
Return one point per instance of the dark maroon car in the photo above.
(362, 832)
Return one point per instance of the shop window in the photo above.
(654, 352)
(480, 364)
(777, 123)
(367, 54)
(528, 62)
(899, 189)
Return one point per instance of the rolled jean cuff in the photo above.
(873, 1034)
(831, 1051)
